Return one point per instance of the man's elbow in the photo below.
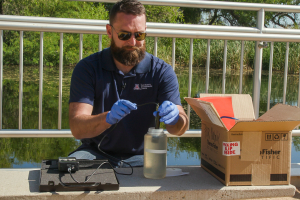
(75, 131)
(76, 134)
(180, 128)
(184, 125)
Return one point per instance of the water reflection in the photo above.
(17, 151)
(28, 152)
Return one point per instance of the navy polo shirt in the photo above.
(97, 81)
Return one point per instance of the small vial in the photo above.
(155, 154)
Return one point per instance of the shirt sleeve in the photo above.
(82, 83)
(168, 86)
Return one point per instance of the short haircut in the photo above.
(133, 7)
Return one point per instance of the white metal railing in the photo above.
(53, 133)
(84, 26)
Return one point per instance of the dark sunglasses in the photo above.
(124, 35)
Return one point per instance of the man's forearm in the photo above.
(180, 127)
(88, 126)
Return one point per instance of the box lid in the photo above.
(206, 111)
(250, 126)
(280, 117)
(241, 104)
(281, 112)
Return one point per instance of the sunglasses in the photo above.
(124, 35)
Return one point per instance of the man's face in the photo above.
(128, 52)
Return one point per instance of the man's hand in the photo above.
(168, 112)
(119, 110)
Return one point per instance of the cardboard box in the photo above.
(252, 152)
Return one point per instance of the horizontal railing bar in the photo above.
(281, 31)
(198, 27)
(222, 35)
(151, 32)
(55, 133)
(91, 22)
(53, 20)
(60, 28)
(214, 5)
(151, 25)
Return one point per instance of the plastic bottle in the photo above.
(155, 154)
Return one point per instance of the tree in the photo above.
(164, 14)
(1, 5)
(243, 18)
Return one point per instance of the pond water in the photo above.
(183, 157)
(29, 152)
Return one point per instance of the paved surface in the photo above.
(296, 196)
(24, 184)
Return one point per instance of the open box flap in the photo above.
(241, 104)
(249, 126)
(206, 111)
(281, 112)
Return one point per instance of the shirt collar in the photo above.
(109, 64)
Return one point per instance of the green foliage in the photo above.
(163, 14)
(55, 8)
(16, 151)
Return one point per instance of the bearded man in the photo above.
(114, 93)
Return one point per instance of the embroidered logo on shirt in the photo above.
(143, 86)
(136, 87)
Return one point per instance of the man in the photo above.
(114, 92)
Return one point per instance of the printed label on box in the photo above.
(231, 148)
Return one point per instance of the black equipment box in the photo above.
(51, 179)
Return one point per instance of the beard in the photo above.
(128, 57)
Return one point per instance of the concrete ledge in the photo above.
(24, 184)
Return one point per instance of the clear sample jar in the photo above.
(155, 154)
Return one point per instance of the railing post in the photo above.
(258, 65)
(190, 79)
(100, 43)
(21, 81)
(286, 67)
(241, 68)
(80, 45)
(155, 47)
(224, 67)
(1, 76)
(61, 43)
(173, 53)
(270, 75)
(41, 81)
(207, 66)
